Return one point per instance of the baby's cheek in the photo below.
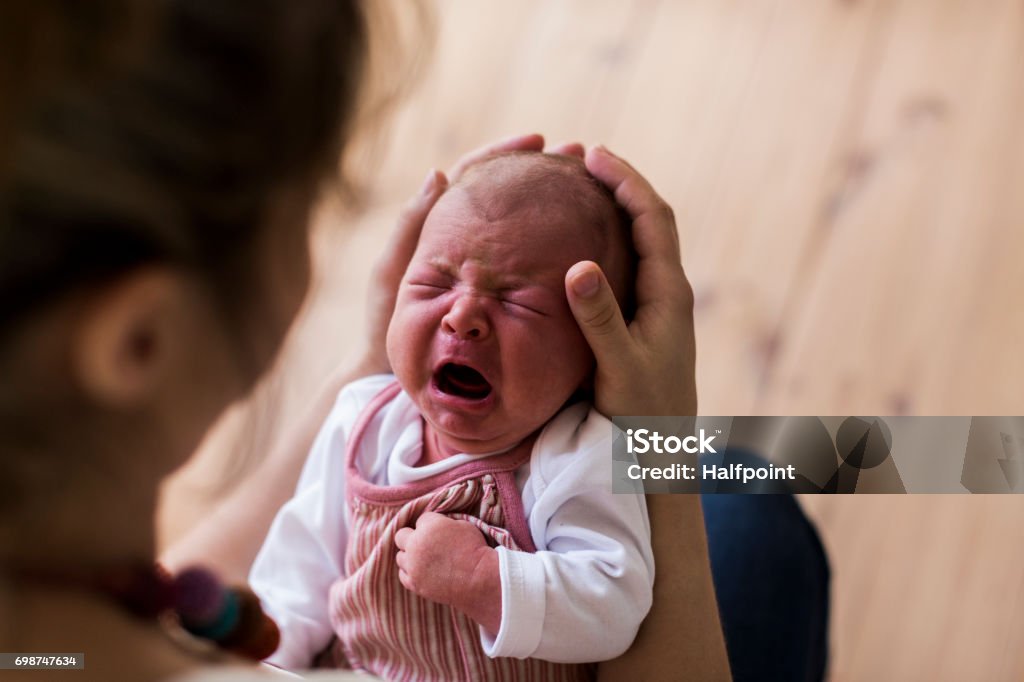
(560, 363)
(404, 343)
(395, 339)
(574, 349)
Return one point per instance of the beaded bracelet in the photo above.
(230, 617)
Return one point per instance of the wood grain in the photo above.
(848, 177)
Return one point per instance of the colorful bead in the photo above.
(233, 618)
(199, 596)
(223, 625)
(257, 635)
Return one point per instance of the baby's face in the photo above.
(482, 337)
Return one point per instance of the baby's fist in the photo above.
(445, 560)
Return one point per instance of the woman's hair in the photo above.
(140, 132)
(157, 132)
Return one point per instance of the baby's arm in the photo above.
(303, 552)
(449, 562)
(584, 603)
(292, 574)
(583, 596)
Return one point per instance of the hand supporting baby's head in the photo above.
(482, 338)
(550, 187)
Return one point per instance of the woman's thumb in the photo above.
(596, 311)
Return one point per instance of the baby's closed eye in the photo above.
(430, 285)
(528, 302)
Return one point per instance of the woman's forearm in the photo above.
(681, 638)
(647, 368)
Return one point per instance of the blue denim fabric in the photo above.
(771, 578)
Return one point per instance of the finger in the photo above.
(568, 149)
(654, 225)
(400, 560)
(597, 313)
(406, 580)
(402, 538)
(406, 236)
(390, 267)
(429, 518)
(519, 143)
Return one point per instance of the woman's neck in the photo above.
(84, 528)
(52, 596)
(116, 644)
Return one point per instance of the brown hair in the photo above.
(166, 151)
(136, 132)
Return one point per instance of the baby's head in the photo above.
(482, 337)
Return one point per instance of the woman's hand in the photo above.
(389, 269)
(647, 367)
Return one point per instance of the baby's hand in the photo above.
(449, 562)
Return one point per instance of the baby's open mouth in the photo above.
(462, 381)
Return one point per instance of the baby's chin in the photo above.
(466, 441)
(462, 432)
(454, 434)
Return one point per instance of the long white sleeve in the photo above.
(304, 550)
(582, 596)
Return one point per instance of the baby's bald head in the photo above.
(554, 187)
(483, 339)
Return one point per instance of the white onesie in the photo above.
(580, 597)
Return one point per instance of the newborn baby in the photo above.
(456, 521)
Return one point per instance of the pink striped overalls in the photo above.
(383, 628)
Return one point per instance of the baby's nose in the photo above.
(467, 319)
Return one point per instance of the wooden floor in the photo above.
(849, 182)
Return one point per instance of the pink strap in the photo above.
(386, 395)
(502, 466)
(399, 494)
(512, 503)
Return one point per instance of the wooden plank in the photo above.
(909, 309)
(754, 190)
(915, 249)
(847, 180)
